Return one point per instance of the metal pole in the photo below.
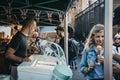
(66, 36)
(66, 30)
(108, 40)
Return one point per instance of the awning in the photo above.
(14, 11)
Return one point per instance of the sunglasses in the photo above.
(117, 38)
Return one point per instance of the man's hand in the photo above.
(27, 59)
(116, 57)
(116, 68)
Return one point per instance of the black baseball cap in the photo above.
(60, 28)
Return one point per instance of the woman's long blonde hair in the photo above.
(90, 42)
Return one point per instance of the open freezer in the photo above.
(43, 66)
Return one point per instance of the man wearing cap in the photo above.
(71, 49)
(60, 33)
(116, 45)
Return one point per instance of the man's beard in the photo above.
(60, 35)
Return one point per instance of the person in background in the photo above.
(71, 45)
(116, 66)
(116, 56)
(73, 49)
(33, 38)
(57, 39)
(60, 33)
(116, 50)
(33, 46)
(16, 51)
(92, 62)
(116, 44)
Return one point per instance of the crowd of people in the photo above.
(92, 62)
(92, 51)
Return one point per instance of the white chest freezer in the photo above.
(41, 68)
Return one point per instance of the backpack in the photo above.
(73, 48)
(81, 47)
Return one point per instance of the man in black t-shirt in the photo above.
(16, 51)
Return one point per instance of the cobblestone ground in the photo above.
(76, 73)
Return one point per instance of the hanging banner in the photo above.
(8, 12)
(60, 17)
(23, 13)
(37, 15)
(49, 13)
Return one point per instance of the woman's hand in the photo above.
(90, 67)
(86, 70)
(100, 58)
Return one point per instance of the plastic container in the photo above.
(62, 72)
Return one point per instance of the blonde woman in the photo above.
(92, 63)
